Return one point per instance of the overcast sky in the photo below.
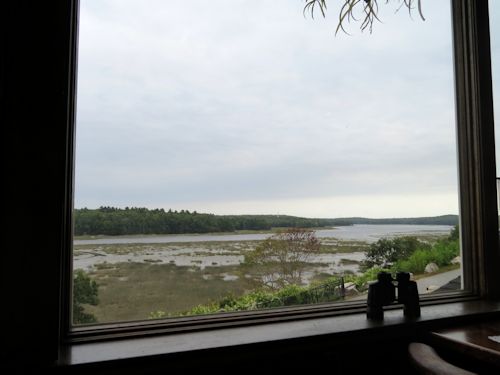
(248, 107)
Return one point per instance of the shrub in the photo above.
(441, 253)
(362, 280)
(85, 291)
(388, 251)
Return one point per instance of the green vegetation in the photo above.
(441, 253)
(129, 221)
(361, 281)
(454, 234)
(328, 291)
(116, 221)
(431, 220)
(387, 251)
(130, 291)
(134, 291)
(410, 255)
(332, 246)
(85, 292)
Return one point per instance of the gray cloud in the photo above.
(200, 103)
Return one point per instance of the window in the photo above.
(474, 111)
(41, 131)
(495, 65)
(239, 123)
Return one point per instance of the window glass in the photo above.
(238, 155)
(494, 8)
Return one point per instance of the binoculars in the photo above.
(383, 292)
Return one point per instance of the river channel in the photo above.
(368, 233)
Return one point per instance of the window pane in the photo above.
(238, 155)
(494, 8)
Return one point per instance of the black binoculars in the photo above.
(383, 292)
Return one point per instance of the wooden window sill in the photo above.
(344, 328)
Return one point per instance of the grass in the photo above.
(196, 248)
(131, 291)
(246, 231)
(333, 246)
(211, 248)
(321, 277)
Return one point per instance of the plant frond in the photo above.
(369, 10)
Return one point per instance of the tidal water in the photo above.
(362, 232)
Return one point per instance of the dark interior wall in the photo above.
(34, 127)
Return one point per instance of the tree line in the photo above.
(428, 220)
(118, 221)
(138, 220)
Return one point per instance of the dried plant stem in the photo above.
(370, 9)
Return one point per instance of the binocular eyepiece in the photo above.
(383, 292)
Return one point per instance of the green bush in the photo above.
(362, 280)
(261, 299)
(441, 253)
(389, 251)
(85, 291)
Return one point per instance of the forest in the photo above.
(139, 220)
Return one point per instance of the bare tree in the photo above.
(282, 258)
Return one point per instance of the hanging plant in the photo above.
(369, 11)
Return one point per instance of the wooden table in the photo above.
(471, 341)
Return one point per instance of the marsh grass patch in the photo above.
(131, 291)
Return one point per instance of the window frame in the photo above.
(477, 191)
(476, 146)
